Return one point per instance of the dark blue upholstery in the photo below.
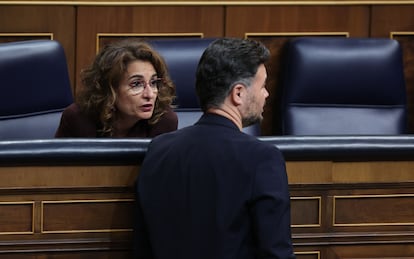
(343, 86)
(35, 88)
(182, 56)
(131, 151)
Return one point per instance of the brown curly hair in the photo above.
(98, 95)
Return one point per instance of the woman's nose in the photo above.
(148, 92)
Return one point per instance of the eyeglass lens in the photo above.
(138, 86)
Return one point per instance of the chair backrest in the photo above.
(343, 86)
(35, 88)
(182, 56)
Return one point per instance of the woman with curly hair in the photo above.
(126, 92)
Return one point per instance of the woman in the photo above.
(126, 92)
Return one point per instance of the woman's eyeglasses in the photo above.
(138, 86)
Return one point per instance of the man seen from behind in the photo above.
(210, 191)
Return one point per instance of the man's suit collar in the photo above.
(215, 119)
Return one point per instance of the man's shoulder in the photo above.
(172, 136)
(257, 146)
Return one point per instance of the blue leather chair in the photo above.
(343, 86)
(35, 88)
(182, 56)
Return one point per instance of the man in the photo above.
(209, 191)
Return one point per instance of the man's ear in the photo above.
(237, 94)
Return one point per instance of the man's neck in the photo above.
(229, 112)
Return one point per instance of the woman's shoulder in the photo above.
(74, 123)
(72, 110)
(170, 115)
(168, 122)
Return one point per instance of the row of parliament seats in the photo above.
(351, 196)
(329, 86)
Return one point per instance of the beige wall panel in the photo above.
(142, 20)
(58, 20)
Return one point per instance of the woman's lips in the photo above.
(146, 107)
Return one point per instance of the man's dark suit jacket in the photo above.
(209, 191)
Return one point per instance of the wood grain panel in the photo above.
(89, 209)
(67, 176)
(16, 217)
(398, 18)
(61, 253)
(373, 210)
(305, 212)
(406, 40)
(352, 19)
(77, 211)
(388, 18)
(12, 37)
(142, 19)
(308, 172)
(58, 20)
(373, 172)
(372, 251)
(308, 255)
(75, 216)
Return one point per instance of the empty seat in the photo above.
(343, 86)
(35, 88)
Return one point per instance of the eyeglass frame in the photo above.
(153, 84)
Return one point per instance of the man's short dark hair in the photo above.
(227, 61)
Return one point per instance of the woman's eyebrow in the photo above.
(135, 76)
(140, 76)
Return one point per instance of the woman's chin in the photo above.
(145, 115)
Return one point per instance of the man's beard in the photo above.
(252, 119)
